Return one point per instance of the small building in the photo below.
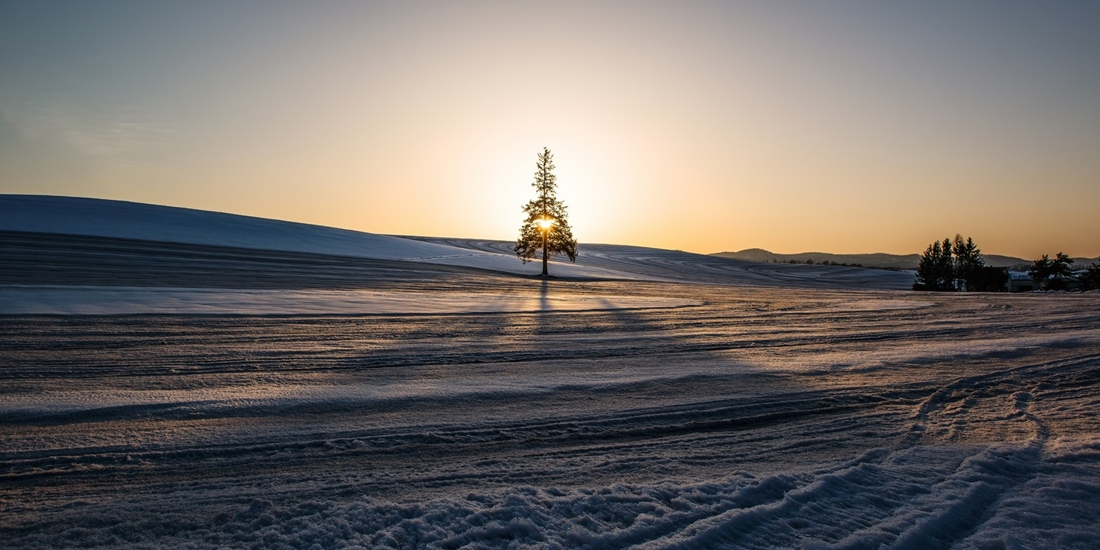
(1019, 281)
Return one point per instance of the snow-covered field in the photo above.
(768, 408)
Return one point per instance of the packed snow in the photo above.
(257, 404)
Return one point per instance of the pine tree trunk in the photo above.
(544, 272)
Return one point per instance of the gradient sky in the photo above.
(792, 126)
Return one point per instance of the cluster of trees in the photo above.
(958, 265)
(1057, 274)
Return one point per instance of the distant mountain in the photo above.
(877, 260)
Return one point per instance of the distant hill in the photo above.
(883, 261)
(877, 260)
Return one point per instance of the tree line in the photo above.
(1057, 273)
(959, 266)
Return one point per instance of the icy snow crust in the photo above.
(759, 416)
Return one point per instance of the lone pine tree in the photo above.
(546, 226)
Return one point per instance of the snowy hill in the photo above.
(128, 220)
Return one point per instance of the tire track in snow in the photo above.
(968, 386)
(958, 506)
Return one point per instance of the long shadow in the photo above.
(652, 341)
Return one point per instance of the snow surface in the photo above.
(778, 409)
(99, 300)
(764, 419)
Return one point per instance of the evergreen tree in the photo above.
(968, 263)
(1040, 271)
(926, 270)
(1060, 271)
(546, 226)
(1052, 274)
(1090, 279)
(936, 270)
(945, 268)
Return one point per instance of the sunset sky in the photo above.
(705, 126)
